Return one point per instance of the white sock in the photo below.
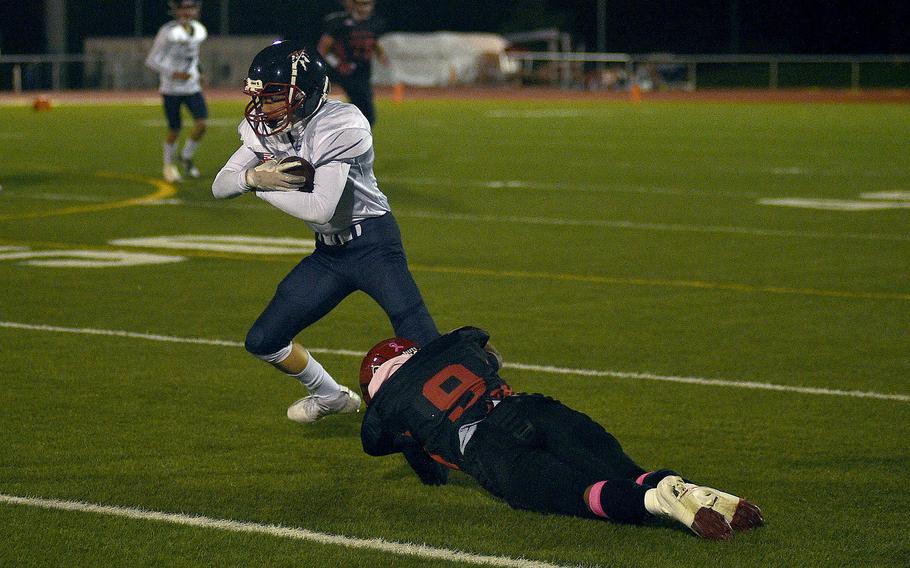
(317, 380)
(189, 148)
(170, 152)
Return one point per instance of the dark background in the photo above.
(633, 26)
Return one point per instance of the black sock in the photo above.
(621, 500)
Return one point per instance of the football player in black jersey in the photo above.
(444, 406)
(348, 45)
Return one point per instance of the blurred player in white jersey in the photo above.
(358, 244)
(175, 56)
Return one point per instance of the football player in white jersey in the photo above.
(358, 244)
(175, 56)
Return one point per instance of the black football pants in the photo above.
(538, 454)
(359, 91)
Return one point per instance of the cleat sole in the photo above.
(747, 516)
(711, 525)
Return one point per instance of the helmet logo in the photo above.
(396, 347)
(298, 58)
(253, 86)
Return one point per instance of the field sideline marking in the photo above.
(729, 286)
(673, 227)
(163, 190)
(279, 531)
(520, 366)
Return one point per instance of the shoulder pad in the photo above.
(249, 138)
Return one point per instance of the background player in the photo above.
(445, 403)
(348, 44)
(358, 244)
(175, 56)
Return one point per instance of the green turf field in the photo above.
(622, 245)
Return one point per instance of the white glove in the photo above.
(271, 176)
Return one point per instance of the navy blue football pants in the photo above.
(194, 102)
(374, 263)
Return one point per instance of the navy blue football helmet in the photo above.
(285, 72)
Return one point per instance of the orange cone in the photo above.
(41, 104)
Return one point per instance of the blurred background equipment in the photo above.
(442, 59)
(577, 44)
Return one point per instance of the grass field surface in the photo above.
(625, 259)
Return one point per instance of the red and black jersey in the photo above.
(355, 41)
(449, 383)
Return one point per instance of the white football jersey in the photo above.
(176, 48)
(337, 134)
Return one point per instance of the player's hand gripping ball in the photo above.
(290, 174)
(299, 167)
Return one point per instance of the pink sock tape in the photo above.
(641, 478)
(594, 500)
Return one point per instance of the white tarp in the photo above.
(436, 59)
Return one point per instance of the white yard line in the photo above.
(279, 531)
(566, 186)
(709, 382)
(673, 227)
(751, 385)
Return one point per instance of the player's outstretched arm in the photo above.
(375, 440)
(428, 470)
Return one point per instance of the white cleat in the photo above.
(311, 408)
(172, 174)
(692, 506)
(190, 169)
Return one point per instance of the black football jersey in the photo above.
(447, 384)
(355, 42)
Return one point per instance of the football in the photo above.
(302, 168)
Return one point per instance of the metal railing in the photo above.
(118, 63)
(566, 69)
(573, 68)
(20, 73)
(19, 70)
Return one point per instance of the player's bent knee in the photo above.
(261, 346)
(255, 339)
(270, 355)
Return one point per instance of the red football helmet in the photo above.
(379, 354)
